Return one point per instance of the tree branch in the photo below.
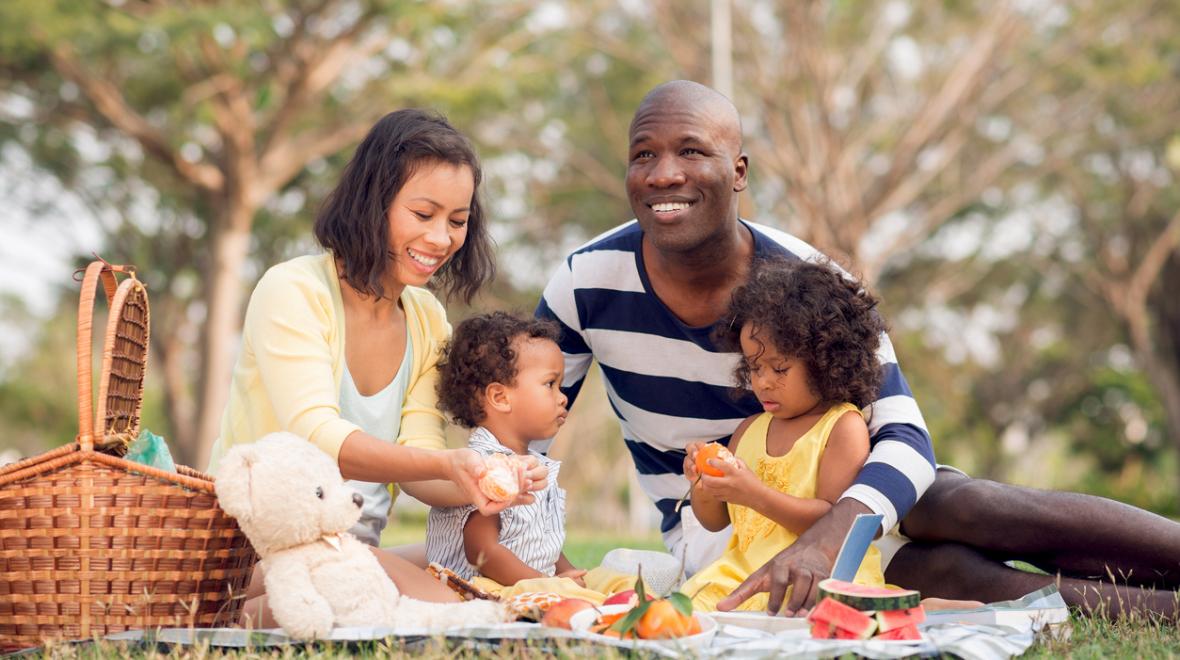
(111, 105)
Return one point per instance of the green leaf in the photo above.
(625, 624)
(639, 590)
(680, 602)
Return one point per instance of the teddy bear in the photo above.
(292, 504)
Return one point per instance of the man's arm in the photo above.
(900, 466)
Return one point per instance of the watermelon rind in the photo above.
(866, 599)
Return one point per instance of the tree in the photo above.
(214, 111)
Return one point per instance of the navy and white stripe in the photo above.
(535, 532)
(669, 385)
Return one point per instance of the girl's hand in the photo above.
(465, 467)
(690, 461)
(737, 485)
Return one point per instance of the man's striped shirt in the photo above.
(669, 385)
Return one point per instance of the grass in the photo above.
(1080, 638)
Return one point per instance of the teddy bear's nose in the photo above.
(358, 500)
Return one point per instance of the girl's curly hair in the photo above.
(811, 312)
(479, 353)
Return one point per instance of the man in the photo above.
(642, 299)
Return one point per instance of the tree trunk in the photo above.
(223, 301)
(178, 401)
(1161, 370)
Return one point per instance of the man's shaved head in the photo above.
(688, 95)
(686, 168)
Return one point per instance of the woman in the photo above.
(341, 348)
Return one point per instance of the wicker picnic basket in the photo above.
(92, 544)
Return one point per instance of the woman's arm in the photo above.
(365, 458)
(847, 448)
(481, 542)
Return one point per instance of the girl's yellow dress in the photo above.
(756, 539)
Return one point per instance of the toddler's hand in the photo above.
(536, 476)
(577, 575)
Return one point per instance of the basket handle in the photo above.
(96, 271)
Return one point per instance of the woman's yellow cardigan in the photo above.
(288, 373)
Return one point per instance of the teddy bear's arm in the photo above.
(297, 606)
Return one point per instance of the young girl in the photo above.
(808, 338)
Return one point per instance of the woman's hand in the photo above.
(737, 485)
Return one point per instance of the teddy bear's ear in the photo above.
(234, 483)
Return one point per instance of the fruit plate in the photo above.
(581, 622)
(761, 621)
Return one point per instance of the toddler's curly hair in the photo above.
(479, 353)
(812, 312)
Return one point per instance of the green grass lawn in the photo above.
(1081, 638)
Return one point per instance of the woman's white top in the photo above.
(379, 415)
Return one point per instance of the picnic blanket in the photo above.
(942, 634)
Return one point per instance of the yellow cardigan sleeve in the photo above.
(422, 424)
(289, 327)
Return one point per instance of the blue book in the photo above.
(856, 544)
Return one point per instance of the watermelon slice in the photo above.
(869, 599)
(905, 632)
(838, 618)
(821, 630)
(894, 619)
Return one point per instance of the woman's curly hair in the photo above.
(811, 312)
(480, 353)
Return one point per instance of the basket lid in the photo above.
(124, 360)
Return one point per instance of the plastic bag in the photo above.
(150, 449)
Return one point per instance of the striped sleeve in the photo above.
(558, 303)
(900, 466)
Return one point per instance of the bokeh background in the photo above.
(1002, 173)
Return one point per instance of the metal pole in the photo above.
(722, 36)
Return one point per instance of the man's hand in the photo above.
(794, 574)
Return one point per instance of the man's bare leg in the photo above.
(410, 580)
(949, 570)
(1068, 533)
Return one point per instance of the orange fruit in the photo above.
(712, 450)
(663, 621)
